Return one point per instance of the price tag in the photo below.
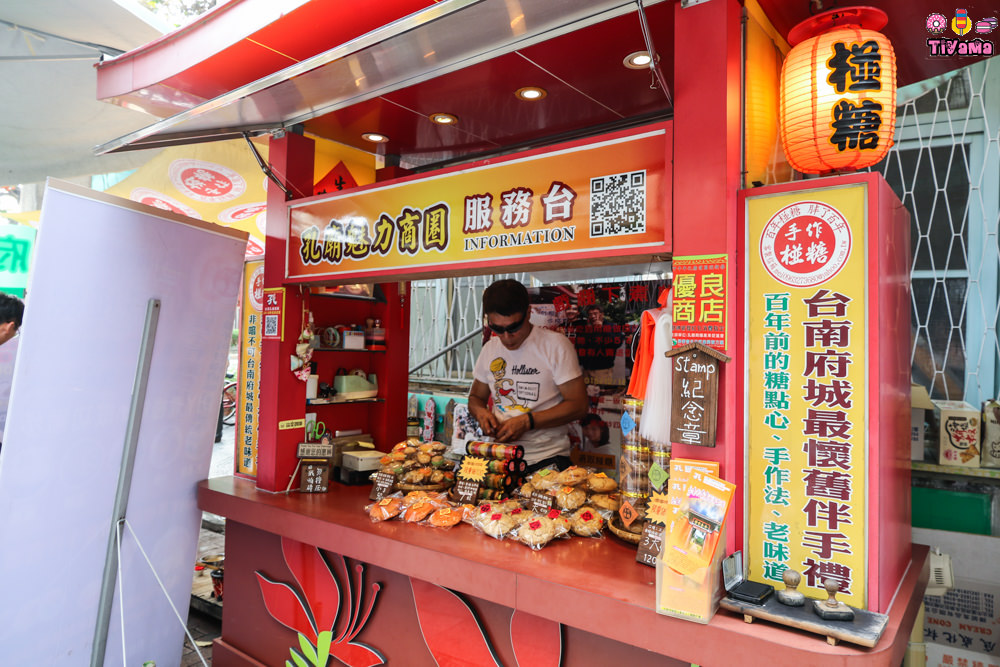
(473, 467)
(627, 423)
(658, 510)
(650, 544)
(541, 502)
(658, 476)
(467, 491)
(627, 513)
(384, 481)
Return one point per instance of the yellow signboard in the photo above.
(581, 200)
(807, 403)
(248, 388)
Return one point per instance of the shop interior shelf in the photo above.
(341, 349)
(334, 401)
(984, 473)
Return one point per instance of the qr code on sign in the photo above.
(270, 325)
(618, 204)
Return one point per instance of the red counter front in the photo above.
(602, 599)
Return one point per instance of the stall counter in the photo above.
(591, 586)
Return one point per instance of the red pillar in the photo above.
(282, 395)
(707, 60)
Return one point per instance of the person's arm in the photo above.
(479, 396)
(572, 408)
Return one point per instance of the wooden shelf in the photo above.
(331, 401)
(982, 473)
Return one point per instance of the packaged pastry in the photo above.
(385, 509)
(520, 515)
(572, 476)
(586, 522)
(496, 524)
(526, 490)
(544, 479)
(445, 517)
(601, 483)
(606, 501)
(419, 510)
(570, 497)
(539, 530)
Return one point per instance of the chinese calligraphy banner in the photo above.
(15, 257)
(248, 386)
(700, 301)
(807, 363)
(610, 196)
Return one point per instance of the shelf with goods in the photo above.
(373, 414)
(978, 473)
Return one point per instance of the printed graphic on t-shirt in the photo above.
(507, 394)
(528, 391)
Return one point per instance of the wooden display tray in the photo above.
(621, 533)
(423, 487)
(865, 629)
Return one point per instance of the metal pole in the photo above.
(448, 349)
(124, 482)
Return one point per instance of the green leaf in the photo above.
(288, 664)
(323, 643)
(299, 661)
(307, 649)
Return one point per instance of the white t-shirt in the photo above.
(527, 380)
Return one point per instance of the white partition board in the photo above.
(98, 261)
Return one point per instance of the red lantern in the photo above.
(837, 106)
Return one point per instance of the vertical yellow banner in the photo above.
(806, 388)
(248, 390)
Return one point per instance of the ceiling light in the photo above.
(443, 118)
(637, 60)
(375, 137)
(530, 93)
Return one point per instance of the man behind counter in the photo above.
(534, 377)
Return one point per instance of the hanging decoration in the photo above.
(837, 107)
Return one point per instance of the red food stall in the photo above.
(301, 563)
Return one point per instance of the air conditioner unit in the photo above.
(942, 578)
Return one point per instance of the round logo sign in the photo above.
(805, 244)
(257, 289)
(162, 201)
(206, 181)
(241, 212)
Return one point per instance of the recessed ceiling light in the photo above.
(530, 93)
(443, 118)
(375, 137)
(637, 60)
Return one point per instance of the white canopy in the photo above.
(50, 118)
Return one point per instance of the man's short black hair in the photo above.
(506, 297)
(11, 310)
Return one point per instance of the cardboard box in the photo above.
(960, 429)
(920, 403)
(991, 436)
(363, 460)
(964, 619)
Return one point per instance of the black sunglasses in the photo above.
(509, 329)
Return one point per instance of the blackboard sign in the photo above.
(650, 544)
(466, 491)
(541, 502)
(695, 397)
(315, 476)
(384, 481)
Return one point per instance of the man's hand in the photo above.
(513, 428)
(479, 394)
